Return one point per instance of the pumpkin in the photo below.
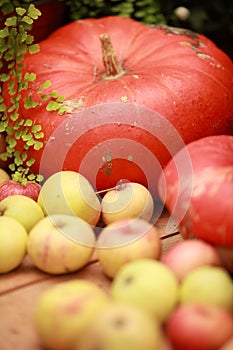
(197, 188)
(134, 95)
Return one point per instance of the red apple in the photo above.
(198, 326)
(11, 187)
(188, 255)
(196, 186)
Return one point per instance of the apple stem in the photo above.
(117, 188)
(113, 69)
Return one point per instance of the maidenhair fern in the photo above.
(15, 42)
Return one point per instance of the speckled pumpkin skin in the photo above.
(176, 73)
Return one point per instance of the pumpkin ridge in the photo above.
(211, 77)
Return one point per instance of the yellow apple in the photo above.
(61, 244)
(149, 285)
(68, 192)
(126, 240)
(121, 327)
(13, 241)
(64, 311)
(208, 284)
(23, 209)
(129, 200)
(4, 176)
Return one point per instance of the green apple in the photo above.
(121, 326)
(61, 244)
(148, 284)
(129, 200)
(64, 311)
(68, 192)
(4, 176)
(22, 208)
(208, 284)
(126, 240)
(13, 241)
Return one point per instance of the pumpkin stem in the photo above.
(112, 67)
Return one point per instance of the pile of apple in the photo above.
(181, 300)
(151, 304)
(59, 229)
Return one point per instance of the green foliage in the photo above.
(148, 11)
(15, 42)
(206, 17)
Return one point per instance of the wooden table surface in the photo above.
(21, 288)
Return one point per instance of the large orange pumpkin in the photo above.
(130, 106)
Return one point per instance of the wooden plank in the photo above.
(27, 273)
(21, 288)
(18, 303)
(23, 276)
(170, 241)
(17, 307)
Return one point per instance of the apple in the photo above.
(13, 238)
(188, 254)
(23, 209)
(129, 200)
(11, 187)
(61, 244)
(199, 327)
(208, 284)
(121, 326)
(196, 186)
(147, 284)
(4, 176)
(126, 240)
(68, 192)
(64, 310)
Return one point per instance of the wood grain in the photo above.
(21, 288)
